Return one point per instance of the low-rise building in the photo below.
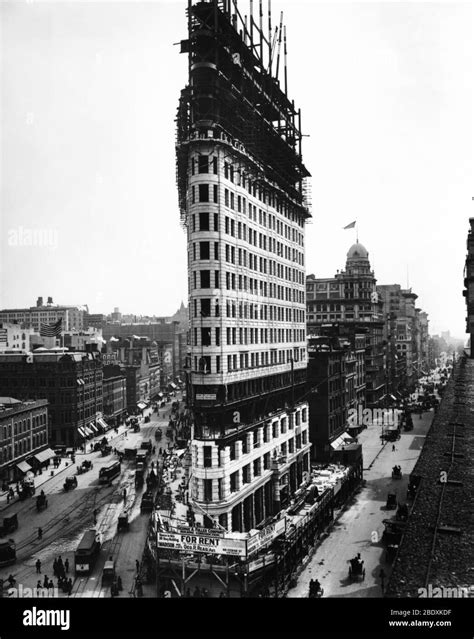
(23, 434)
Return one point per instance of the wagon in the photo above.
(108, 574)
(9, 525)
(356, 568)
(391, 501)
(41, 502)
(70, 483)
(123, 523)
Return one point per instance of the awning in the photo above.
(24, 466)
(393, 397)
(81, 432)
(173, 385)
(94, 427)
(102, 423)
(44, 455)
(179, 453)
(87, 431)
(339, 441)
(160, 395)
(141, 405)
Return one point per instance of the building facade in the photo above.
(468, 291)
(23, 433)
(114, 395)
(72, 316)
(70, 381)
(242, 199)
(350, 300)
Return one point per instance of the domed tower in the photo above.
(358, 260)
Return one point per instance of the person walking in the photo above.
(393, 448)
(38, 567)
(45, 581)
(66, 565)
(40, 533)
(137, 565)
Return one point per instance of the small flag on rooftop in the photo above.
(350, 226)
(51, 330)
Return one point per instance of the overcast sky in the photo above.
(88, 101)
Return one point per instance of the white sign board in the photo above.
(211, 396)
(202, 544)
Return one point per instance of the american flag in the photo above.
(51, 330)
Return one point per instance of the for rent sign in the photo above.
(208, 545)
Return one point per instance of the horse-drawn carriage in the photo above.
(27, 489)
(158, 434)
(356, 568)
(106, 450)
(41, 502)
(151, 480)
(391, 501)
(316, 591)
(123, 523)
(9, 525)
(402, 512)
(396, 472)
(70, 483)
(392, 536)
(84, 467)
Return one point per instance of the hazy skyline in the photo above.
(88, 100)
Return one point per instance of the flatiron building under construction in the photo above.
(244, 200)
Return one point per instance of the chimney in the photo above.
(39, 302)
(50, 300)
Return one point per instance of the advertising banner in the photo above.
(265, 536)
(205, 544)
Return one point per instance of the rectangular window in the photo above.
(205, 307)
(207, 450)
(204, 221)
(216, 250)
(216, 279)
(203, 164)
(206, 336)
(218, 336)
(204, 248)
(215, 193)
(207, 489)
(205, 279)
(204, 192)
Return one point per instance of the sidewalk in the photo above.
(41, 480)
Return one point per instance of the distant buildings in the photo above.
(469, 284)
(23, 434)
(350, 301)
(407, 336)
(32, 317)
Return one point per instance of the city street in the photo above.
(359, 528)
(70, 514)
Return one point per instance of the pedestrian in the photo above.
(8, 498)
(40, 533)
(55, 567)
(66, 565)
(119, 583)
(69, 584)
(137, 565)
(45, 581)
(393, 448)
(38, 567)
(124, 494)
(38, 584)
(382, 578)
